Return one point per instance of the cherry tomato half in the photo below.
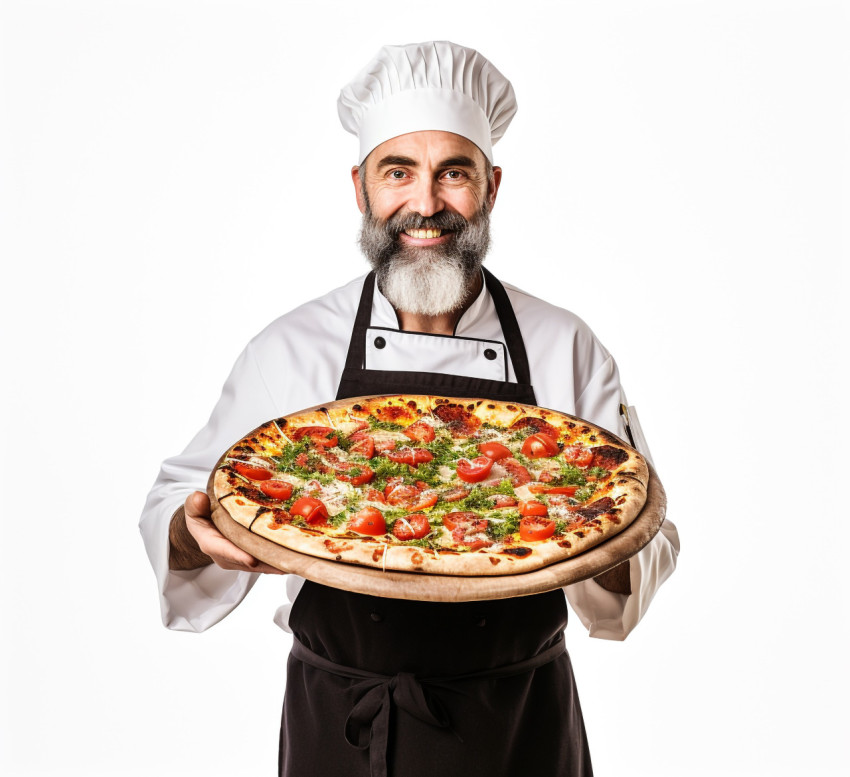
(580, 457)
(532, 529)
(369, 520)
(533, 508)
(494, 450)
(362, 444)
(411, 527)
(453, 520)
(277, 489)
(311, 509)
(474, 471)
(323, 436)
(540, 445)
(420, 431)
(455, 494)
(364, 473)
(252, 472)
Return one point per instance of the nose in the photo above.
(425, 198)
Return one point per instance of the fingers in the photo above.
(212, 542)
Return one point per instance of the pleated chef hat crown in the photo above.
(427, 86)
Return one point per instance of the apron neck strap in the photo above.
(356, 358)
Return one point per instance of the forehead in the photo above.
(427, 148)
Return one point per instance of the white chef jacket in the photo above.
(570, 370)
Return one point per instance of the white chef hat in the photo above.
(427, 86)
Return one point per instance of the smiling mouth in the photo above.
(423, 234)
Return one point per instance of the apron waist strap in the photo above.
(367, 725)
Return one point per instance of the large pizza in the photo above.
(432, 484)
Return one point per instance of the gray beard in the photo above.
(427, 281)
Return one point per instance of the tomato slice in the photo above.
(474, 471)
(533, 508)
(365, 474)
(518, 474)
(382, 446)
(362, 444)
(425, 500)
(504, 500)
(411, 527)
(311, 509)
(277, 489)
(540, 445)
(494, 450)
(369, 520)
(455, 494)
(412, 456)
(579, 456)
(532, 529)
(452, 520)
(252, 471)
(542, 488)
(323, 436)
(373, 495)
(420, 431)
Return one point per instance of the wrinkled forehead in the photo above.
(427, 149)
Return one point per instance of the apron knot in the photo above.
(368, 723)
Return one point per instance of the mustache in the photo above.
(444, 220)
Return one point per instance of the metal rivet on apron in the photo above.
(380, 342)
(490, 354)
(376, 616)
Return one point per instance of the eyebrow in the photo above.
(406, 161)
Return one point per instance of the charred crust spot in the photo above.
(621, 500)
(417, 558)
(592, 438)
(608, 438)
(377, 554)
(537, 424)
(579, 534)
(494, 560)
(470, 407)
(608, 457)
(571, 425)
(612, 518)
(337, 547)
(511, 407)
(518, 552)
(491, 407)
(357, 407)
(584, 430)
(281, 422)
(565, 544)
(240, 502)
(411, 404)
(261, 510)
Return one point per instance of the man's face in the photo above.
(425, 199)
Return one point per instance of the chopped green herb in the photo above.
(502, 523)
(583, 494)
(600, 473)
(387, 426)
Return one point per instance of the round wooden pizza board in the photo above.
(451, 588)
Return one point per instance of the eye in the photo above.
(454, 175)
(398, 175)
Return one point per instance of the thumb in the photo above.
(197, 505)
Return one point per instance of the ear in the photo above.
(358, 188)
(493, 186)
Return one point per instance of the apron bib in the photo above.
(393, 688)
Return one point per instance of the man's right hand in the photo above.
(195, 541)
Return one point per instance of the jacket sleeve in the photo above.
(605, 614)
(194, 600)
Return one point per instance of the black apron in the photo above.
(382, 687)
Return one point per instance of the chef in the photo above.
(378, 686)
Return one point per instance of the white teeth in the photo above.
(422, 234)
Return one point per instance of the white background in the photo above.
(173, 176)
